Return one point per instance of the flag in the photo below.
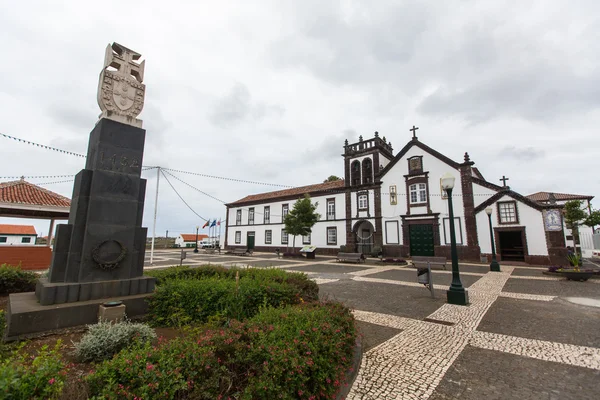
(219, 223)
(214, 223)
(206, 224)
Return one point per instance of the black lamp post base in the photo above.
(458, 297)
(195, 250)
(494, 266)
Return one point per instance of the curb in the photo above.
(352, 372)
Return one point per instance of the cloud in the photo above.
(525, 154)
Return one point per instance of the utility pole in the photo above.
(155, 213)
(167, 239)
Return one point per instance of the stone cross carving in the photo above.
(503, 179)
(414, 131)
(121, 91)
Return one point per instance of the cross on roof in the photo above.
(503, 179)
(414, 131)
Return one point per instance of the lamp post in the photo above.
(196, 249)
(494, 266)
(457, 293)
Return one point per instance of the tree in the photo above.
(301, 219)
(575, 215)
(332, 178)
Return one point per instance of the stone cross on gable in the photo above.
(504, 179)
(122, 59)
(414, 131)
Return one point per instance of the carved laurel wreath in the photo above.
(108, 265)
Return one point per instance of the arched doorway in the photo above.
(364, 233)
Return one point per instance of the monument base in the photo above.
(68, 292)
(26, 317)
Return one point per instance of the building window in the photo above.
(284, 237)
(367, 166)
(238, 237)
(355, 171)
(331, 209)
(267, 215)
(363, 201)
(285, 209)
(251, 216)
(3, 239)
(393, 195)
(418, 193)
(238, 217)
(26, 240)
(306, 239)
(268, 237)
(507, 212)
(332, 235)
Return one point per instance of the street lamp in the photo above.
(196, 249)
(494, 266)
(457, 293)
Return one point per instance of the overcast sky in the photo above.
(268, 90)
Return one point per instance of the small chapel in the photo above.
(395, 202)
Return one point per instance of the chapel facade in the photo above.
(396, 203)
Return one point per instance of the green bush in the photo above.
(33, 377)
(180, 302)
(2, 324)
(375, 251)
(105, 339)
(294, 352)
(14, 280)
(309, 289)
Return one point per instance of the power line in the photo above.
(52, 183)
(42, 145)
(193, 187)
(228, 179)
(177, 193)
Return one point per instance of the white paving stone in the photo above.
(525, 296)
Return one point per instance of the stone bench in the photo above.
(356, 257)
(240, 252)
(422, 261)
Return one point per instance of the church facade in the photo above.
(396, 203)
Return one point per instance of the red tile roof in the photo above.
(191, 237)
(17, 230)
(545, 196)
(23, 192)
(299, 191)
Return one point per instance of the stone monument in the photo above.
(99, 254)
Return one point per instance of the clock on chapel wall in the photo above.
(415, 164)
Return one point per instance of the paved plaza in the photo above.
(524, 335)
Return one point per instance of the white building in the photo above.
(395, 202)
(189, 240)
(22, 235)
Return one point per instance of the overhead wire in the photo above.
(182, 199)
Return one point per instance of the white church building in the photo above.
(396, 202)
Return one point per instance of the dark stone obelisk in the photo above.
(100, 252)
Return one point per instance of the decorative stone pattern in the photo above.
(525, 296)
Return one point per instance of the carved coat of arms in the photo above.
(120, 90)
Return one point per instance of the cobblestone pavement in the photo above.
(518, 338)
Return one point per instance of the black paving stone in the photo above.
(486, 374)
(373, 335)
(328, 268)
(403, 301)
(528, 272)
(410, 275)
(556, 321)
(563, 288)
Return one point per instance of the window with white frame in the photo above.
(306, 239)
(393, 195)
(251, 216)
(268, 237)
(285, 209)
(238, 217)
(418, 193)
(284, 237)
(507, 212)
(267, 215)
(331, 235)
(363, 201)
(331, 209)
(238, 237)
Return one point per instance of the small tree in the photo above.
(576, 215)
(301, 219)
(332, 178)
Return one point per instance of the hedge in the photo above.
(14, 280)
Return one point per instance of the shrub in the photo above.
(294, 352)
(343, 249)
(14, 280)
(41, 376)
(105, 339)
(2, 324)
(309, 289)
(181, 302)
(375, 251)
